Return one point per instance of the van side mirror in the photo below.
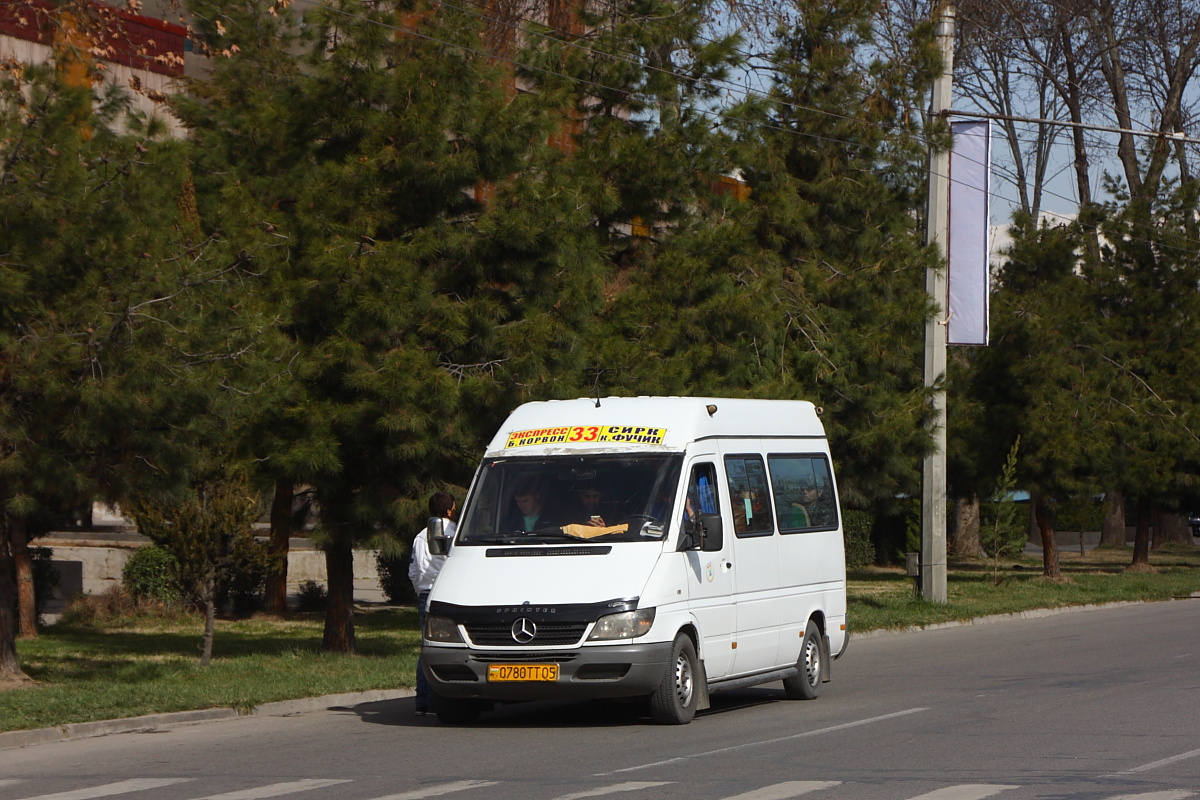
(439, 542)
(712, 539)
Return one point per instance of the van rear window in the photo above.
(803, 488)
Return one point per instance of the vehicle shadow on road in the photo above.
(557, 713)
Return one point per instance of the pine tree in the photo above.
(121, 321)
(1042, 377)
(1148, 305)
(427, 258)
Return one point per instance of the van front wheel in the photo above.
(806, 684)
(674, 702)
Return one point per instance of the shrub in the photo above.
(115, 603)
(243, 576)
(393, 578)
(152, 573)
(856, 530)
(312, 597)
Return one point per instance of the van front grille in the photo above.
(500, 634)
(551, 657)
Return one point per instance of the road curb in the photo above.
(1035, 613)
(152, 722)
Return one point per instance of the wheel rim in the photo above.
(812, 662)
(683, 681)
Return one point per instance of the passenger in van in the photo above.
(801, 515)
(529, 509)
(588, 497)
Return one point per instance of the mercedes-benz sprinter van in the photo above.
(642, 547)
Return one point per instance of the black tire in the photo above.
(806, 684)
(674, 701)
(456, 710)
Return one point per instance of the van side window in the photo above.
(749, 496)
(702, 492)
(803, 492)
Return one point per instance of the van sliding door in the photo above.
(757, 608)
(710, 582)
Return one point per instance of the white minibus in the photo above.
(642, 547)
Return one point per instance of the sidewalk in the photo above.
(153, 722)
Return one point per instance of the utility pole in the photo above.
(937, 233)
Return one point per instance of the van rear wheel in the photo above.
(675, 700)
(806, 684)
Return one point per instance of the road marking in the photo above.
(276, 789)
(783, 791)
(1155, 764)
(108, 789)
(1175, 794)
(9, 781)
(736, 747)
(965, 791)
(440, 789)
(632, 786)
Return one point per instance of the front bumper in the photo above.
(617, 670)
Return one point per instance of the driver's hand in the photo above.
(597, 521)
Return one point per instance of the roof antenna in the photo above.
(597, 388)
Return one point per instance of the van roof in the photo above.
(670, 423)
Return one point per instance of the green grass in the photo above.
(143, 664)
(883, 597)
(147, 665)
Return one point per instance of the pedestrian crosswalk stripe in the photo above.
(1176, 794)
(1155, 764)
(965, 791)
(440, 789)
(756, 744)
(109, 789)
(783, 791)
(631, 786)
(275, 789)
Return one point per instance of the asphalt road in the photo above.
(1093, 705)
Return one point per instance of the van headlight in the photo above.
(626, 625)
(442, 629)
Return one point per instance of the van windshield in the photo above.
(609, 498)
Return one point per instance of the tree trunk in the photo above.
(275, 598)
(965, 543)
(1141, 539)
(1041, 515)
(10, 666)
(23, 570)
(1171, 528)
(1112, 530)
(339, 615)
(210, 618)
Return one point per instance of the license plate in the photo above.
(522, 672)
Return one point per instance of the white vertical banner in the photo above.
(969, 272)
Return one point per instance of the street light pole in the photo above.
(937, 233)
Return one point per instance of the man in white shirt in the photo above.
(423, 569)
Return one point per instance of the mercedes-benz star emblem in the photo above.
(523, 630)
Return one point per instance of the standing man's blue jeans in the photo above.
(424, 696)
